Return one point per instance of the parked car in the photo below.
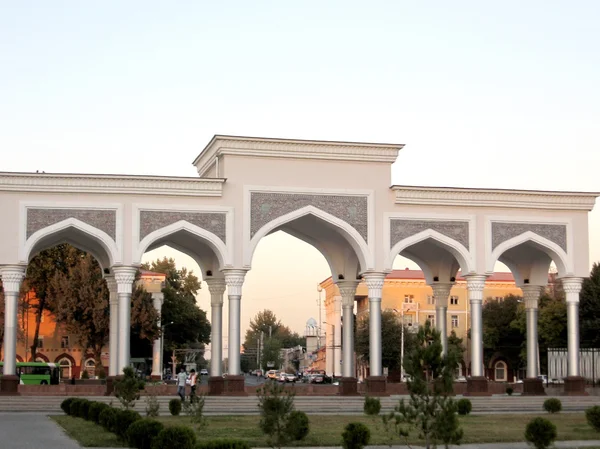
(272, 374)
(291, 378)
(204, 372)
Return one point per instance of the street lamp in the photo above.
(332, 345)
(401, 342)
(162, 347)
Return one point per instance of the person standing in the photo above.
(181, 378)
(193, 380)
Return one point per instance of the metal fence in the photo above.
(589, 363)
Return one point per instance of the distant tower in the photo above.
(312, 335)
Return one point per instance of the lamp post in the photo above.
(319, 289)
(401, 342)
(332, 346)
(162, 348)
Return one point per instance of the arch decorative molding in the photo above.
(64, 355)
(214, 222)
(454, 229)
(556, 233)
(103, 219)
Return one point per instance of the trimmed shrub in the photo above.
(66, 405)
(84, 408)
(180, 437)
(125, 418)
(540, 432)
(552, 405)
(85, 375)
(223, 444)
(297, 426)
(95, 410)
(509, 391)
(592, 415)
(75, 407)
(175, 407)
(108, 418)
(356, 436)
(464, 406)
(372, 406)
(142, 433)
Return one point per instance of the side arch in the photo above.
(351, 235)
(59, 233)
(222, 252)
(462, 254)
(555, 252)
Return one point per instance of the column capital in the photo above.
(12, 276)
(531, 295)
(441, 291)
(124, 276)
(234, 279)
(572, 287)
(158, 296)
(347, 288)
(374, 283)
(475, 282)
(216, 287)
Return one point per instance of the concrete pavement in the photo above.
(32, 431)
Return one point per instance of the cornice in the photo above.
(110, 184)
(529, 199)
(292, 148)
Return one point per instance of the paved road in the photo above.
(32, 431)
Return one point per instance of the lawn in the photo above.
(326, 430)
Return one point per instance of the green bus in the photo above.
(36, 373)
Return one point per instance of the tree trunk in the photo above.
(38, 319)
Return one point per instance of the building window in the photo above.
(500, 371)
(409, 299)
(430, 300)
(65, 368)
(498, 298)
(454, 321)
(64, 342)
(431, 319)
(408, 320)
(454, 300)
(90, 367)
(40, 343)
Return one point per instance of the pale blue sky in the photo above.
(483, 94)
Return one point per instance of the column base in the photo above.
(155, 377)
(532, 386)
(477, 386)
(216, 386)
(9, 385)
(234, 386)
(575, 386)
(348, 386)
(377, 386)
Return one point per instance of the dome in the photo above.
(311, 322)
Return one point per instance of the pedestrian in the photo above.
(193, 379)
(181, 378)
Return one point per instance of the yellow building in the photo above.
(406, 292)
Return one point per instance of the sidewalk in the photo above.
(32, 431)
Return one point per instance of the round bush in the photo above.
(95, 410)
(125, 418)
(297, 426)
(66, 405)
(356, 436)
(509, 391)
(372, 406)
(552, 405)
(464, 406)
(142, 433)
(180, 437)
(175, 407)
(540, 432)
(75, 407)
(108, 418)
(592, 415)
(84, 408)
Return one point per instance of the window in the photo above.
(500, 371)
(64, 342)
(430, 299)
(408, 320)
(454, 300)
(90, 366)
(40, 343)
(409, 299)
(498, 298)
(454, 321)
(65, 368)
(431, 319)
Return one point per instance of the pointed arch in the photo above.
(555, 252)
(351, 235)
(92, 237)
(462, 254)
(221, 250)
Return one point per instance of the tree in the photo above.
(144, 323)
(589, 309)
(430, 410)
(499, 333)
(271, 353)
(391, 337)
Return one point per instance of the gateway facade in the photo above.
(332, 195)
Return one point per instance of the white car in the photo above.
(204, 372)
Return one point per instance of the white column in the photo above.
(157, 369)
(375, 283)
(124, 276)
(441, 292)
(475, 286)
(337, 336)
(113, 337)
(234, 280)
(12, 276)
(531, 296)
(348, 292)
(216, 287)
(572, 287)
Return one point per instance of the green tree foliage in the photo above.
(190, 324)
(276, 404)
(430, 410)
(144, 323)
(589, 309)
(127, 389)
(499, 335)
(391, 334)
